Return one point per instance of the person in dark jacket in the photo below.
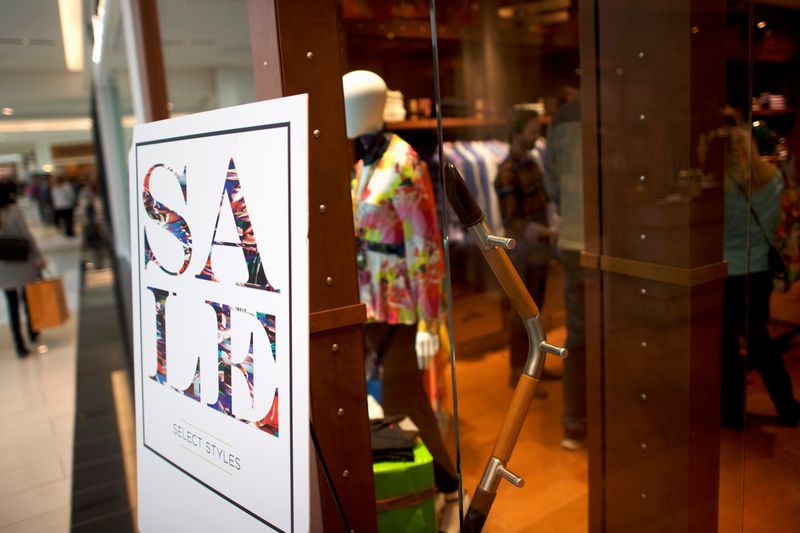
(14, 274)
(528, 218)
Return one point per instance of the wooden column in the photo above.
(653, 83)
(148, 44)
(298, 51)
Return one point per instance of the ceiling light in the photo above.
(761, 25)
(46, 125)
(58, 124)
(72, 33)
(505, 12)
(8, 111)
(97, 30)
(47, 167)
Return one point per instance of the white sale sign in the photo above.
(219, 216)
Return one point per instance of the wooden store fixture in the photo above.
(287, 61)
(298, 51)
(655, 271)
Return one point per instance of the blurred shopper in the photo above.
(64, 205)
(20, 263)
(46, 199)
(564, 180)
(94, 236)
(524, 207)
(752, 213)
(40, 194)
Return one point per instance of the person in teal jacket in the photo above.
(750, 281)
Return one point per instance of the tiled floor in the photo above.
(38, 398)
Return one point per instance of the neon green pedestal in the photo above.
(405, 493)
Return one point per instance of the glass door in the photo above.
(600, 136)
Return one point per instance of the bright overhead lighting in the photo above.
(761, 25)
(97, 30)
(8, 111)
(56, 124)
(71, 16)
(45, 125)
(97, 49)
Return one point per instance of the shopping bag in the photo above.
(47, 305)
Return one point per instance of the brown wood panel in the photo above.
(645, 118)
(590, 127)
(678, 420)
(301, 48)
(704, 420)
(595, 381)
(595, 400)
(148, 43)
(707, 92)
(266, 57)
(647, 404)
(652, 87)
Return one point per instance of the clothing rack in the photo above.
(478, 162)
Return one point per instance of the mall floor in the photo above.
(38, 431)
(38, 398)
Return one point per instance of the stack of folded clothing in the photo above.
(390, 442)
(777, 102)
(394, 111)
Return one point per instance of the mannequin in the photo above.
(400, 265)
(364, 99)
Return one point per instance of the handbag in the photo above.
(47, 303)
(774, 257)
(14, 249)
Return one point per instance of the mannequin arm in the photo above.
(427, 346)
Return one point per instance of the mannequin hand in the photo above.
(535, 232)
(553, 221)
(427, 346)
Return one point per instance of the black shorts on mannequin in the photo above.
(403, 392)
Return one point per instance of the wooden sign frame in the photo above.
(298, 51)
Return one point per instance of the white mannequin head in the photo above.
(364, 99)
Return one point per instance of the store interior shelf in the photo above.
(451, 123)
(447, 122)
(761, 113)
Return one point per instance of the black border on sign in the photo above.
(276, 125)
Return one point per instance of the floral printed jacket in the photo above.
(400, 267)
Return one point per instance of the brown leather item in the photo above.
(512, 284)
(406, 500)
(515, 417)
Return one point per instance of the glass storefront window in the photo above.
(624, 147)
(632, 126)
(595, 135)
